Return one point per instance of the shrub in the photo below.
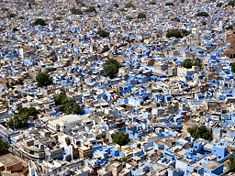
(121, 138)
(153, 2)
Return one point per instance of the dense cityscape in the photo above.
(117, 88)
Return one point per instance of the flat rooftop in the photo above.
(9, 160)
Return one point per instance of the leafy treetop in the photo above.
(121, 138)
(68, 105)
(20, 120)
(111, 68)
(189, 63)
(43, 79)
(3, 146)
(200, 132)
(39, 21)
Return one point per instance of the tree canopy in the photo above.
(202, 14)
(3, 146)
(141, 15)
(43, 79)
(129, 5)
(121, 138)
(231, 3)
(91, 9)
(189, 63)
(177, 33)
(169, 4)
(20, 120)
(39, 21)
(153, 2)
(76, 11)
(233, 67)
(200, 132)
(111, 68)
(68, 105)
(103, 33)
(232, 163)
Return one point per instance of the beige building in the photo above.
(66, 123)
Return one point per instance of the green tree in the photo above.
(189, 63)
(232, 163)
(15, 29)
(71, 107)
(185, 32)
(76, 11)
(121, 138)
(229, 27)
(103, 33)
(91, 9)
(111, 68)
(197, 62)
(81, 3)
(3, 146)
(129, 5)
(174, 33)
(39, 21)
(68, 105)
(169, 4)
(233, 67)
(20, 120)
(28, 112)
(176, 19)
(61, 99)
(43, 79)
(202, 14)
(177, 33)
(141, 16)
(116, 5)
(220, 4)
(231, 3)
(129, 18)
(11, 15)
(200, 132)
